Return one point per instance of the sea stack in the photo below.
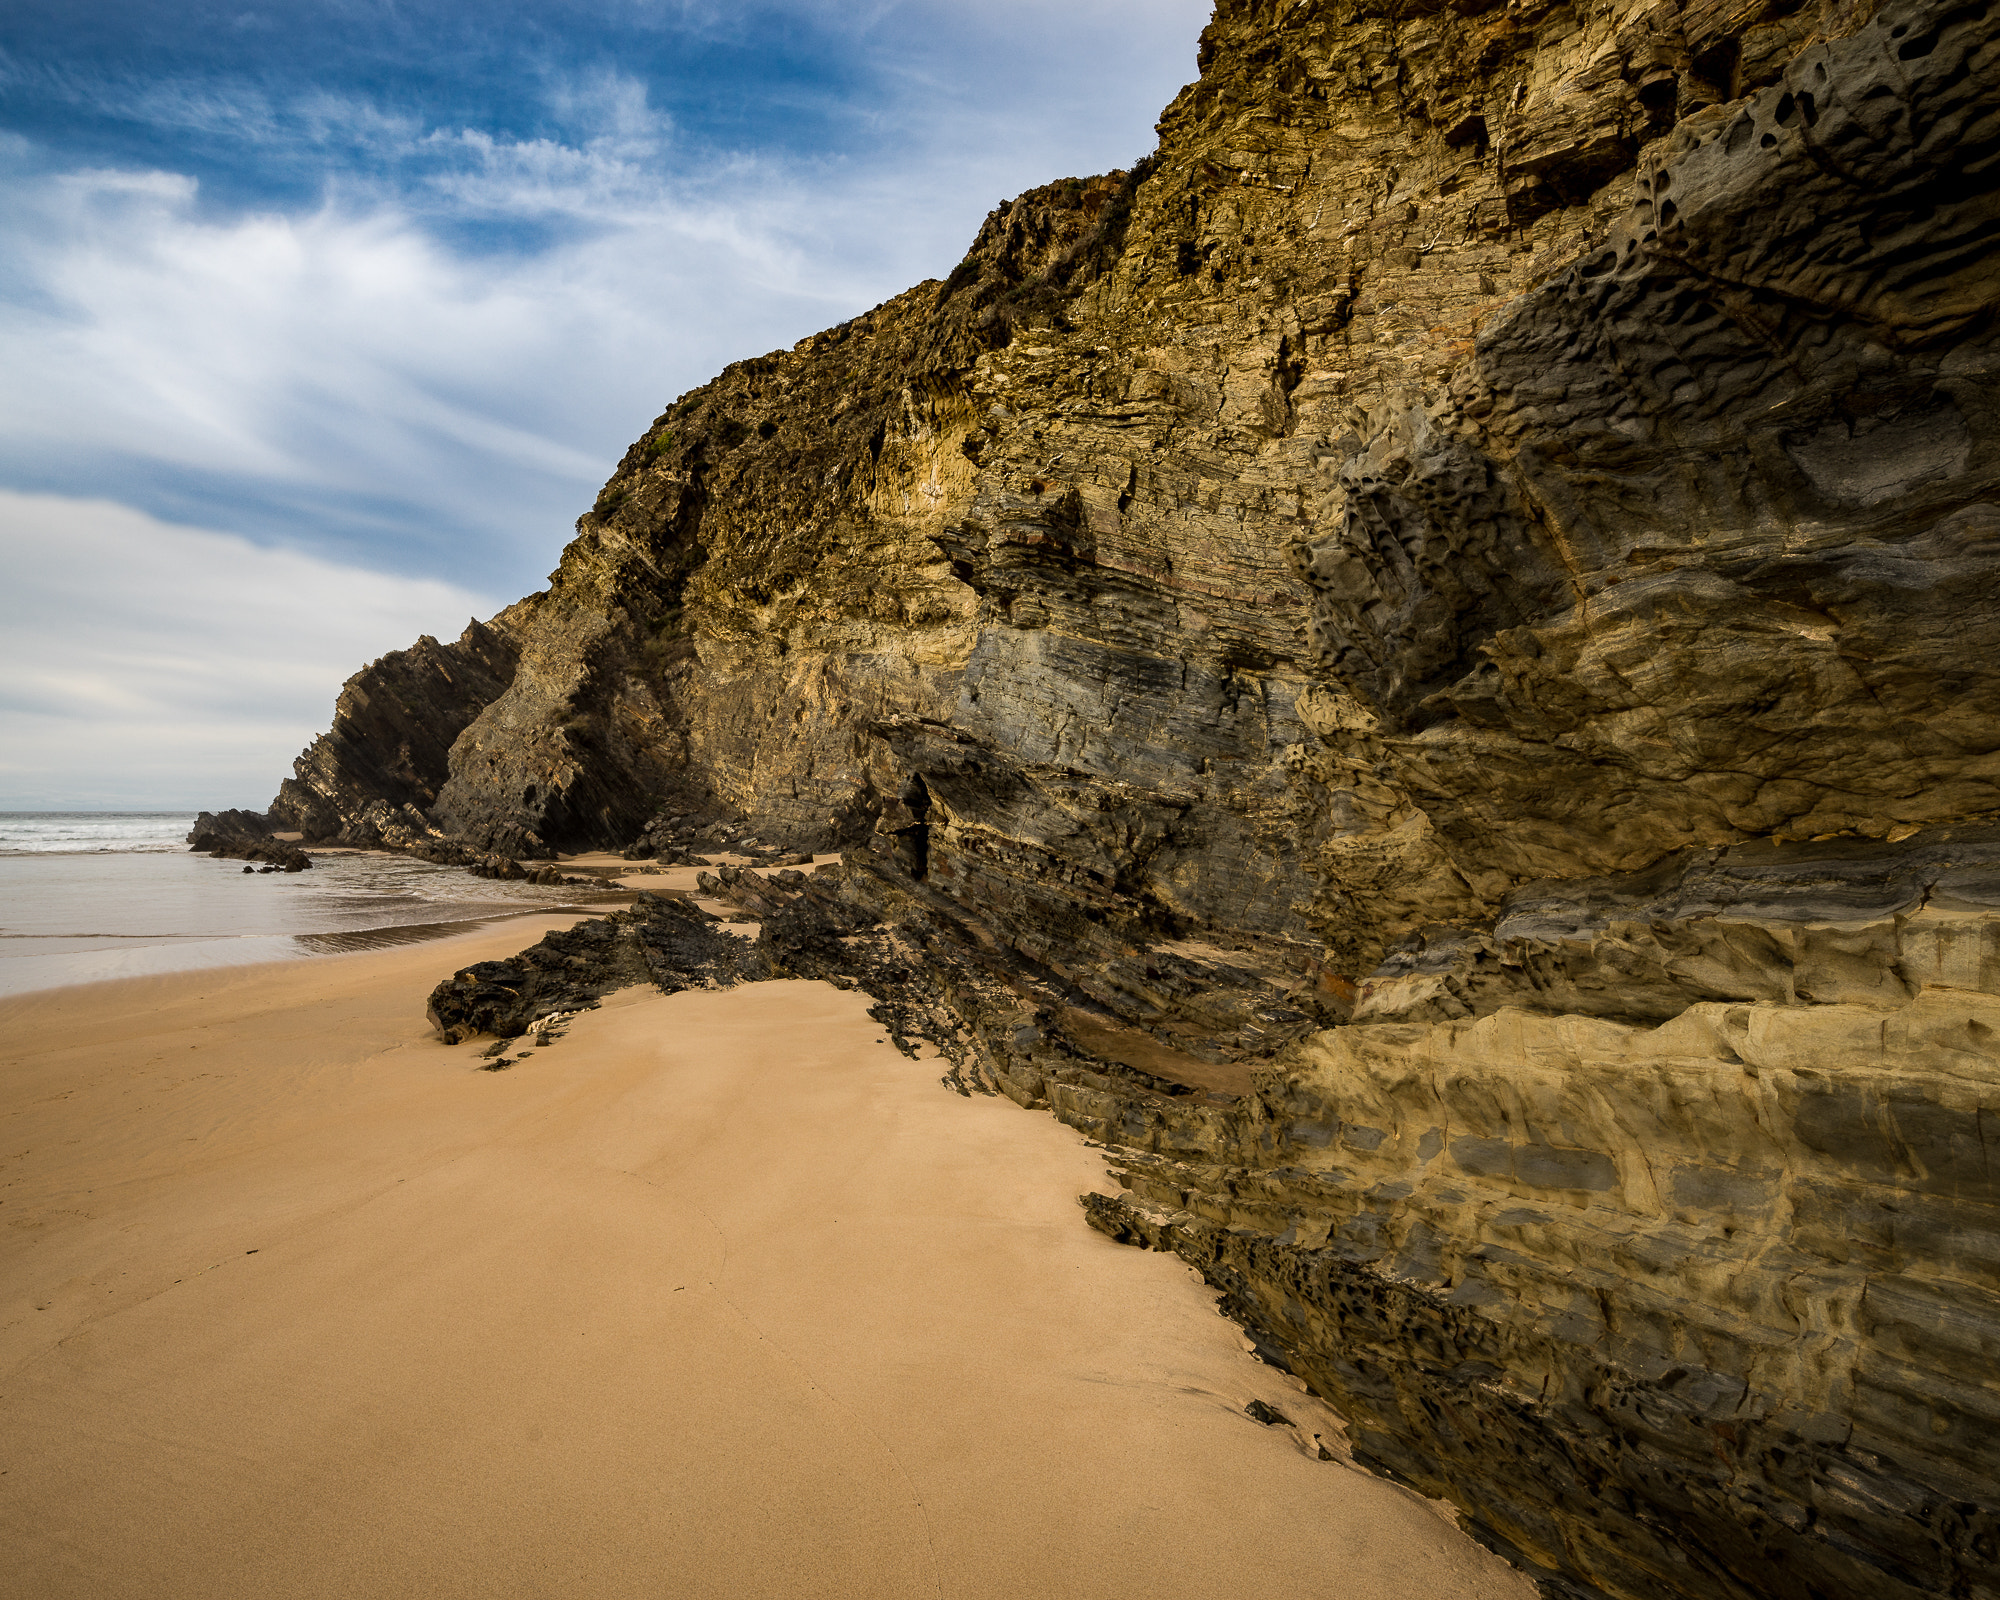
(1424, 665)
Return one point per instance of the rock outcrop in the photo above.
(664, 941)
(393, 730)
(1423, 666)
(245, 836)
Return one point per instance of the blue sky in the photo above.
(298, 300)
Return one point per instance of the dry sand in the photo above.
(717, 1296)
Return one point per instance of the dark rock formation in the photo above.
(667, 840)
(679, 840)
(245, 836)
(393, 730)
(218, 831)
(663, 941)
(1422, 666)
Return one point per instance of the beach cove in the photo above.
(718, 1295)
(87, 897)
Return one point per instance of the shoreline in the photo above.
(192, 951)
(718, 1295)
(618, 880)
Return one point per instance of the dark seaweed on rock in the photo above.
(662, 941)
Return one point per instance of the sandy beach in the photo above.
(718, 1296)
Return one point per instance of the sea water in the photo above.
(91, 895)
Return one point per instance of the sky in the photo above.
(320, 324)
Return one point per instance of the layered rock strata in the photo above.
(1422, 666)
(388, 751)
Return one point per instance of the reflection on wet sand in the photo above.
(350, 940)
(84, 918)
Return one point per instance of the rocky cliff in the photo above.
(394, 727)
(1424, 665)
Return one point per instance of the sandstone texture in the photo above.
(1425, 666)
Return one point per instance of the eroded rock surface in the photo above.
(660, 940)
(393, 730)
(1422, 665)
(245, 836)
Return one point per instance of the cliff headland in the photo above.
(1424, 665)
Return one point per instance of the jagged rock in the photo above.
(282, 857)
(1422, 666)
(670, 839)
(386, 826)
(393, 730)
(750, 891)
(662, 941)
(213, 830)
(245, 836)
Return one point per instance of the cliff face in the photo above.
(393, 730)
(1424, 666)
(754, 584)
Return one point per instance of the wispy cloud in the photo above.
(349, 360)
(402, 321)
(142, 663)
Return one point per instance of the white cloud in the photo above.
(347, 359)
(309, 348)
(146, 664)
(428, 370)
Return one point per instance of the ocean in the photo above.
(92, 895)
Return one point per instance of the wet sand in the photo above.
(718, 1296)
(91, 917)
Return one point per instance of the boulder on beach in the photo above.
(245, 836)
